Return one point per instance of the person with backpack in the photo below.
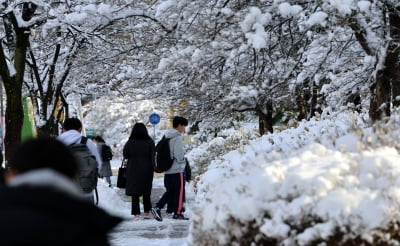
(85, 151)
(139, 151)
(106, 156)
(41, 203)
(174, 180)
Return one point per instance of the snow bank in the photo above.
(320, 182)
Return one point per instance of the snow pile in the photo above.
(317, 183)
(230, 139)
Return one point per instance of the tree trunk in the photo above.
(13, 119)
(265, 121)
(45, 130)
(301, 104)
(314, 107)
(50, 129)
(13, 87)
(13, 82)
(394, 55)
(387, 85)
(380, 101)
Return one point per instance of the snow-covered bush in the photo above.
(384, 133)
(201, 156)
(319, 184)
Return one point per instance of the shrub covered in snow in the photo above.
(201, 156)
(328, 182)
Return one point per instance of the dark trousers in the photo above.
(163, 200)
(136, 204)
(175, 194)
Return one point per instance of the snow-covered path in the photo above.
(143, 232)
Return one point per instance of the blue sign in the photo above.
(154, 118)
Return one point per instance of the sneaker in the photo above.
(179, 217)
(136, 217)
(156, 213)
(146, 216)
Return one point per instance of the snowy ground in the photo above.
(143, 232)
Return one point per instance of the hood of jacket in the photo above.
(70, 137)
(47, 177)
(172, 133)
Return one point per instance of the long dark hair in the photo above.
(139, 131)
(99, 139)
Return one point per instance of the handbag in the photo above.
(187, 171)
(121, 180)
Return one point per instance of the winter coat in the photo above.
(2, 176)
(43, 207)
(140, 166)
(105, 170)
(177, 153)
(2, 170)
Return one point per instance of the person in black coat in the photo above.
(139, 150)
(2, 170)
(42, 205)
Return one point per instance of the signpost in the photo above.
(154, 119)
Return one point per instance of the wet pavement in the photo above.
(148, 231)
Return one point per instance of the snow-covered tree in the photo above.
(18, 19)
(275, 57)
(376, 26)
(268, 57)
(55, 38)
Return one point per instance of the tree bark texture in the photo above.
(387, 83)
(380, 101)
(393, 58)
(13, 88)
(13, 82)
(265, 121)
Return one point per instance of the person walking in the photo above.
(42, 204)
(71, 134)
(2, 170)
(174, 180)
(139, 150)
(105, 170)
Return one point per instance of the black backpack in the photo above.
(188, 171)
(106, 153)
(87, 165)
(163, 160)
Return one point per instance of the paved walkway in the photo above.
(149, 229)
